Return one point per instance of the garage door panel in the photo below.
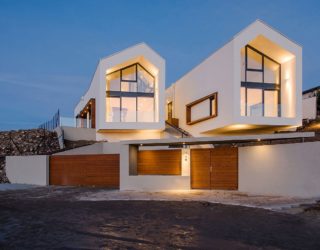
(85, 170)
(159, 162)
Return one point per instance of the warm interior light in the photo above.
(239, 126)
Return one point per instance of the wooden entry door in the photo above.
(215, 168)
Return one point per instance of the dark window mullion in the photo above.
(263, 111)
(255, 70)
(263, 69)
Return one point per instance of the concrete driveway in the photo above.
(212, 196)
(74, 218)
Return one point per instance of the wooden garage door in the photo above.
(85, 170)
(214, 168)
(159, 162)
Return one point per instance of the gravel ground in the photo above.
(53, 218)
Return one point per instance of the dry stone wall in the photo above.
(26, 142)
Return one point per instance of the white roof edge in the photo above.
(257, 20)
(222, 138)
(269, 26)
(89, 85)
(131, 47)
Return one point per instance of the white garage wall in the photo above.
(284, 169)
(309, 108)
(28, 169)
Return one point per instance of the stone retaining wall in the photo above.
(26, 142)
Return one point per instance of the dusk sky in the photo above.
(49, 49)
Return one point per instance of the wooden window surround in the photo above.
(212, 113)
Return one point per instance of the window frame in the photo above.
(261, 85)
(136, 94)
(211, 97)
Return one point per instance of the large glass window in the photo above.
(130, 95)
(260, 84)
(145, 109)
(271, 103)
(129, 73)
(271, 72)
(128, 109)
(254, 102)
(145, 81)
(113, 81)
(113, 109)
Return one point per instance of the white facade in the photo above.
(309, 108)
(235, 104)
(140, 54)
(221, 73)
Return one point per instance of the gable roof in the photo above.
(268, 26)
(130, 48)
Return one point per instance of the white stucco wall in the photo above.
(117, 136)
(309, 108)
(97, 148)
(77, 134)
(212, 75)
(28, 169)
(284, 169)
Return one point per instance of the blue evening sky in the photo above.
(49, 49)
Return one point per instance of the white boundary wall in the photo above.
(309, 108)
(283, 169)
(33, 169)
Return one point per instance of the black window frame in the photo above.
(261, 85)
(136, 94)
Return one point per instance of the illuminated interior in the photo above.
(130, 95)
(267, 80)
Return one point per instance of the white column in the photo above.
(185, 162)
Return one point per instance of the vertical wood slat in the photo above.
(200, 168)
(85, 170)
(224, 168)
(224, 174)
(159, 162)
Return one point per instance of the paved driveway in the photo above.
(51, 218)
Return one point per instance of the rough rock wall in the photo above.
(26, 142)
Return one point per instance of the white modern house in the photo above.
(228, 107)
(252, 84)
